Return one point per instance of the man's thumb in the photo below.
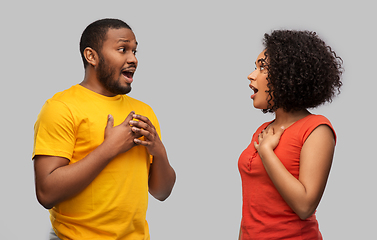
(110, 121)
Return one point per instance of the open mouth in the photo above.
(255, 91)
(128, 74)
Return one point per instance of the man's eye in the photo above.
(122, 49)
(134, 52)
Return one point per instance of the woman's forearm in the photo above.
(291, 189)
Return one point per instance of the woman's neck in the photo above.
(286, 119)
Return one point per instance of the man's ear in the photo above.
(91, 56)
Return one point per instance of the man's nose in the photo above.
(132, 58)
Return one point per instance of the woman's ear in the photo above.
(91, 56)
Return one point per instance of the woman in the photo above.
(285, 168)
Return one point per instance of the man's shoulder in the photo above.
(66, 94)
(136, 102)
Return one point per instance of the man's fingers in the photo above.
(129, 117)
(142, 122)
(140, 125)
(142, 118)
(141, 142)
(143, 132)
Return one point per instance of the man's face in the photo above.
(117, 61)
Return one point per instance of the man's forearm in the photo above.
(161, 178)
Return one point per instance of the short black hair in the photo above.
(303, 72)
(95, 34)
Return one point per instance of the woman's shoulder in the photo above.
(317, 118)
(308, 124)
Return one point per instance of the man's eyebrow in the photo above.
(126, 41)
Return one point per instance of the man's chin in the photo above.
(124, 91)
(119, 90)
(127, 91)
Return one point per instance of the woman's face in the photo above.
(258, 83)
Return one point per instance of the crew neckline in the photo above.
(115, 98)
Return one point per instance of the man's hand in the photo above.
(144, 127)
(161, 175)
(120, 138)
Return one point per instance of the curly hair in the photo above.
(303, 72)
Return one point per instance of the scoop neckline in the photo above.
(269, 123)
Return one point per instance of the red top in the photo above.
(265, 214)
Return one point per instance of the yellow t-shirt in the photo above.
(71, 125)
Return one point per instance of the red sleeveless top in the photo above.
(265, 214)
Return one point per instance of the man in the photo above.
(97, 151)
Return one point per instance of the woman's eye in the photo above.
(134, 52)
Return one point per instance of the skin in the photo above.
(117, 55)
(56, 180)
(258, 83)
(303, 194)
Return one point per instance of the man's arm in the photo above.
(56, 180)
(161, 175)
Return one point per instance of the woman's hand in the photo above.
(268, 139)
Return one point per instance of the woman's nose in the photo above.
(251, 76)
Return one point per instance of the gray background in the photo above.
(194, 57)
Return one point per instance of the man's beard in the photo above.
(106, 76)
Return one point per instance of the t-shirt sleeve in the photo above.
(54, 133)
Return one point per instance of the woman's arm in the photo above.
(304, 194)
